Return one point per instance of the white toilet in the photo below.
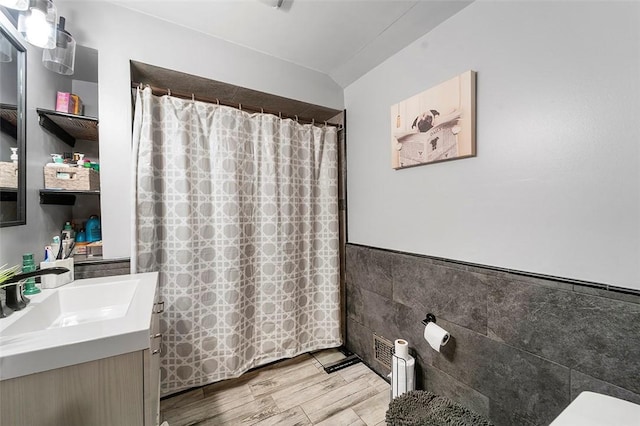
(594, 409)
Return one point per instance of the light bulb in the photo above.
(38, 24)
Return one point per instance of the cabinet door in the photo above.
(104, 392)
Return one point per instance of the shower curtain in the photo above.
(239, 214)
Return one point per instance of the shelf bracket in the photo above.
(49, 125)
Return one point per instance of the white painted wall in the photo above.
(88, 93)
(121, 35)
(555, 188)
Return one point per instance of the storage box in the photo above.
(80, 249)
(53, 281)
(94, 249)
(71, 178)
(69, 103)
(77, 105)
(8, 174)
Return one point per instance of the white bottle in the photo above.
(68, 232)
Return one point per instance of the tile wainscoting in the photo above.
(523, 346)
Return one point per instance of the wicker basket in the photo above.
(8, 174)
(71, 178)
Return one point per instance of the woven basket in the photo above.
(8, 174)
(71, 178)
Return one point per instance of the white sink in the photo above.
(594, 409)
(79, 322)
(74, 305)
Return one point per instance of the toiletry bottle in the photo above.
(55, 246)
(67, 232)
(48, 254)
(28, 265)
(92, 229)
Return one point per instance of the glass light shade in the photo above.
(38, 24)
(6, 50)
(61, 59)
(15, 4)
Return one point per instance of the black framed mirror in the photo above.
(13, 144)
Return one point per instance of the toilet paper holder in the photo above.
(430, 318)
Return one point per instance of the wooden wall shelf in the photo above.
(69, 127)
(8, 194)
(9, 120)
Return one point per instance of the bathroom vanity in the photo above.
(84, 354)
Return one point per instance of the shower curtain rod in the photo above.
(162, 91)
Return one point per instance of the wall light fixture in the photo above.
(61, 58)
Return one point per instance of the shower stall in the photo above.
(239, 209)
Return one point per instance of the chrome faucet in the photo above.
(15, 300)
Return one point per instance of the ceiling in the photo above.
(341, 38)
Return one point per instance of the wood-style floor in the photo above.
(292, 392)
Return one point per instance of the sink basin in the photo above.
(71, 306)
(82, 321)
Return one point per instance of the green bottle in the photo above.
(29, 266)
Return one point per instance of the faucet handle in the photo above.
(14, 297)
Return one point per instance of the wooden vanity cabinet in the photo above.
(118, 390)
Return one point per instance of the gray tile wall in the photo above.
(522, 347)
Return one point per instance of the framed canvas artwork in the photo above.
(436, 125)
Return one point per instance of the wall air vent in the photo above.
(383, 349)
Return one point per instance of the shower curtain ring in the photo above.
(261, 110)
(218, 101)
(193, 97)
(280, 114)
(313, 121)
(296, 118)
(240, 107)
(169, 92)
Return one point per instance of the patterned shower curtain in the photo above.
(239, 214)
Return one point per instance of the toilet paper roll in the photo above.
(402, 348)
(435, 336)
